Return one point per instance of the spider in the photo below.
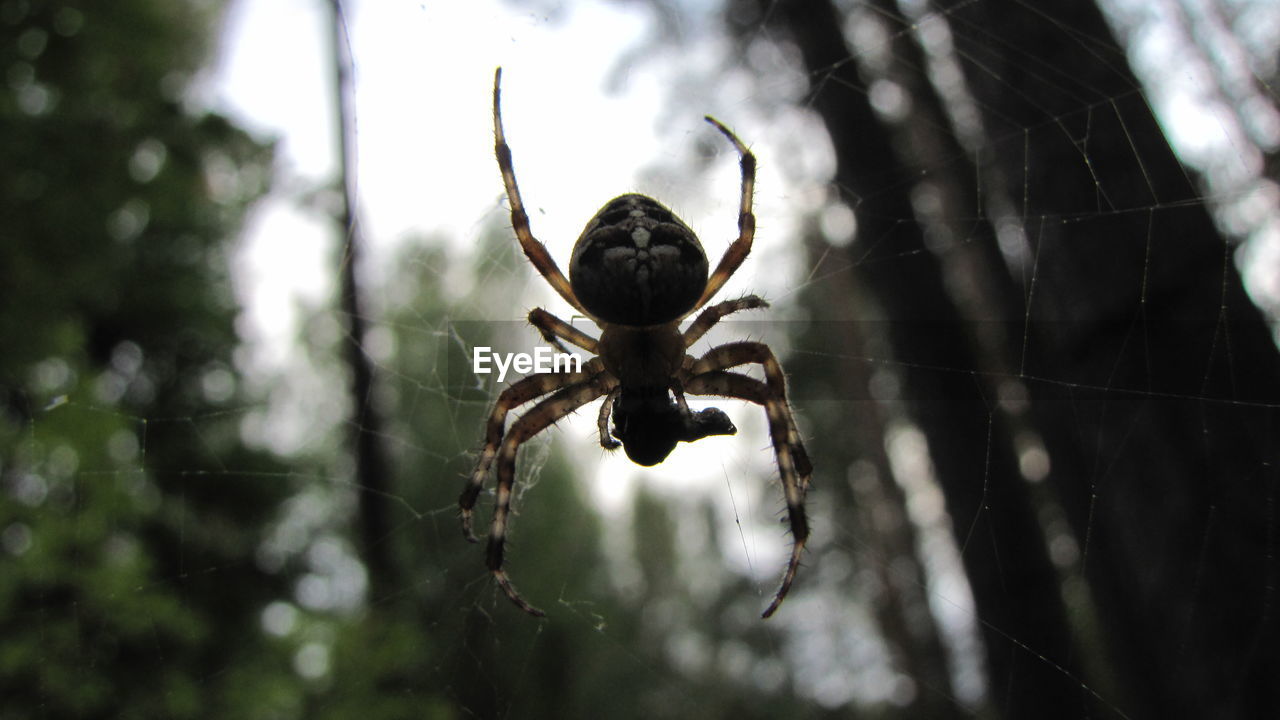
(637, 271)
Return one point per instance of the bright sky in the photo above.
(424, 137)
(424, 74)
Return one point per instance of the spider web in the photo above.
(653, 579)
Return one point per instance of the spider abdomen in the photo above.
(637, 264)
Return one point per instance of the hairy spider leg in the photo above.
(523, 391)
(607, 440)
(553, 329)
(740, 248)
(714, 314)
(533, 247)
(729, 355)
(543, 415)
(794, 482)
(794, 468)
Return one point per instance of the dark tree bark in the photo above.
(1153, 377)
(372, 468)
(1016, 589)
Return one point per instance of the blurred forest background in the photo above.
(1036, 363)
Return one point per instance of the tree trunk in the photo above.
(1015, 586)
(1153, 377)
(372, 468)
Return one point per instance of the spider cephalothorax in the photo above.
(637, 271)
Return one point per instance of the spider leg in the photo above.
(794, 468)
(607, 440)
(533, 248)
(543, 415)
(723, 357)
(793, 463)
(553, 329)
(740, 248)
(712, 315)
(517, 394)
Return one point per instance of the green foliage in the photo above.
(130, 587)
